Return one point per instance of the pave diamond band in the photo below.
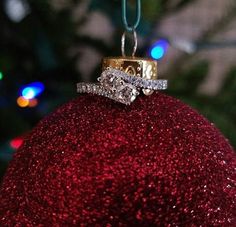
(136, 81)
(120, 86)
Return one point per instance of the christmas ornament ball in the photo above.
(95, 162)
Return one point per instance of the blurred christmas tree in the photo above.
(51, 42)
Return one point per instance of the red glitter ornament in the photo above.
(95, 162)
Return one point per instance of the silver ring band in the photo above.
(120, 86)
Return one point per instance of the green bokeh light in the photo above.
(1, 75)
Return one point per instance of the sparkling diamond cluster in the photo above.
(121, 90)
(120, 86)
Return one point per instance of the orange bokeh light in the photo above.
(22, 102)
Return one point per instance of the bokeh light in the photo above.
(28, 93)
(32, 90)
(159, 49)
(22, 102)
(1, 75)
(33, 103)
(16, 143)
(17, 10)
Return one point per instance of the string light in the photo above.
(1, 75)
(32, 90)
(22, 102)
(28, 93)
(16, 143)
(17, 10)
(33, 102)
(159, 49)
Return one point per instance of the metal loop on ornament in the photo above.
(123, 39)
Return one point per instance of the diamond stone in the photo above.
(120, 86)
(127, 93)
(122, 91)
(107, 81)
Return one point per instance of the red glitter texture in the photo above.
(95, 162)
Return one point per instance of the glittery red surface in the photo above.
(98, 163)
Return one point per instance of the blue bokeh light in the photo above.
(159, 49)
(32, 90)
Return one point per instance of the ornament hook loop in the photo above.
(135, 40)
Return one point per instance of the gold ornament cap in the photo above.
(141, 67)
